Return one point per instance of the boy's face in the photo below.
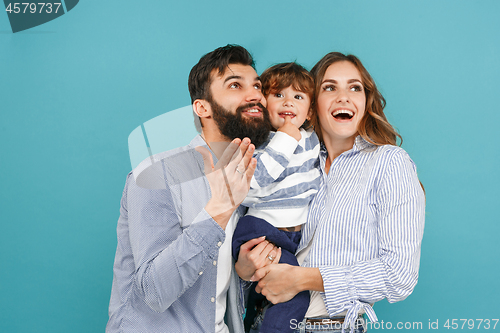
(288, 101)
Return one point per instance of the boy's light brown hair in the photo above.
(284, 75)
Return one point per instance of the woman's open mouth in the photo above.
(343, 114)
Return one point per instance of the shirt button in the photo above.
(200, 273)
(215, 262)
(219, 244)
(212, 299)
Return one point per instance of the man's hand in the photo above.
(290, 129)
(230, 179)
(255, 254)
(280, 283)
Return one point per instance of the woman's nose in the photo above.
(342, 97)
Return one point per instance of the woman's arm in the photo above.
(392, 275)
(278, 289)
(400, 209)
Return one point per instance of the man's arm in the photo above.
(168, 258)
(255, 254)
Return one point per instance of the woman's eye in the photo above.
(329, 88)
(357, 88)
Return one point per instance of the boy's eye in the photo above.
(279, 95)
(298, 97)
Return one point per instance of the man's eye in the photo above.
(234, 85)
(258, 86)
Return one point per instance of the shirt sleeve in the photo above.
(168, 258)
(400, 207)
(272, 160)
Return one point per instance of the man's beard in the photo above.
(236, 126)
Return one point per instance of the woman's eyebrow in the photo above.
(335, 81)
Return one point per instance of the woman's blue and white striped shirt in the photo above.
(366, 224)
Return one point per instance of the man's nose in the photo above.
(254, 95)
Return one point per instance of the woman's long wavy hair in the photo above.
(374, 126)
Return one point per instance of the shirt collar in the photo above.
(359, 145)
(199, 141)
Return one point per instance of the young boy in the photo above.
(285, 181)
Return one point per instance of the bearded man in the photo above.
(173, 270)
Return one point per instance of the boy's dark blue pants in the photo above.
(278, 316)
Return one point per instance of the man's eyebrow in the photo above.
(237, 77)
(231, 77)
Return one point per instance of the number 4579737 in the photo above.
(33, 7)
(471, 323)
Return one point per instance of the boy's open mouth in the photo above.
(286, 113)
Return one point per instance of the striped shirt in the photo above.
(286, 179)
(366, 223)
(173, 266)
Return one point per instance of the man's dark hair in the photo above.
(200, 76)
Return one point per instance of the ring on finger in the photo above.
(270, 257)
(240, 172)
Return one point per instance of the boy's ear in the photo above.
(202, 108)
(309, 114)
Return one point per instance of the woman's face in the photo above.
(341, 102)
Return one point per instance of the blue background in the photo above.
(73, 89)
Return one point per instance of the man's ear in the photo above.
(202, 108)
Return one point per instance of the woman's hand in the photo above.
(280, 283)
(255, 254)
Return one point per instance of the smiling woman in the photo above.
(347, 92)
(361, 242)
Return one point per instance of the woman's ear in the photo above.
(202, 108)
